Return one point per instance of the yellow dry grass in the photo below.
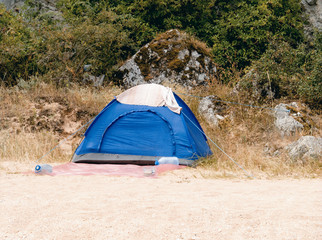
(243, 137)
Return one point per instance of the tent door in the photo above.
(139, 133)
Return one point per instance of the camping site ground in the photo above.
(182, 204)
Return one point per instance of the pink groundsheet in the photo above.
(112, 169)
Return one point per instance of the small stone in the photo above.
(87, 67)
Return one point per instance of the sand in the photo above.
(178, 205)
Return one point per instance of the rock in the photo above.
(304, 148)
(87, 67)
(132, 75)
(10, 4)
(171, 57)
(285, 123)
(311, 2)
(212, 110)
(45, 8)
(313, 9)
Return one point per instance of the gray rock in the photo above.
(311, 2)
(195, 55)
(87, 67)
(202, 77)
(211, 110)
(304, 148)
(171, 57)
(45, 8)
(10, 4)
(183, 53)
(285, 123)
(313, 9)
(132, 73)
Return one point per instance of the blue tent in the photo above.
(140, 126)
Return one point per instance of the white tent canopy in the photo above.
(151, 95)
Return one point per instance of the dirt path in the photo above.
(174, 206)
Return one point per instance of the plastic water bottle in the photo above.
(43, 169)
(167, 160)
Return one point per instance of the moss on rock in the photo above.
(175, 57)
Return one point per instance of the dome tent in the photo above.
(140, 126)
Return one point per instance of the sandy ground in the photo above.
(178, 205)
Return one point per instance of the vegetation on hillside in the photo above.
(42, 59)
(253, 34)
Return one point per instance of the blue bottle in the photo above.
(43, 169)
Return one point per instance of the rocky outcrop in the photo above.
(213, 109)
(304, 148)
(173, 57)
(313, 10)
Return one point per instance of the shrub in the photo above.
(245, 28)
(18, 52)
(283, 71)
(238, 31)
(310, 89)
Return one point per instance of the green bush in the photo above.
(102, 42)
(287, 72)
(32, 44)
(310, 89)
(245, 28)
(18, 54)
(238, 31)
(266, 35)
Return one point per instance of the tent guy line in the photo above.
(64, 140)
(247, 173)
(142, 108)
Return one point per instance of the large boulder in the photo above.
(304, 148)
(173, 57)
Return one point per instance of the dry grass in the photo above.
(20, 108)
(28, 147)
(245, 140)
(243, 136)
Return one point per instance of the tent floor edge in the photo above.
(103, 158)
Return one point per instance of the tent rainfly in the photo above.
(140, 126)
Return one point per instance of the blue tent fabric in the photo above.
(142, 132)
